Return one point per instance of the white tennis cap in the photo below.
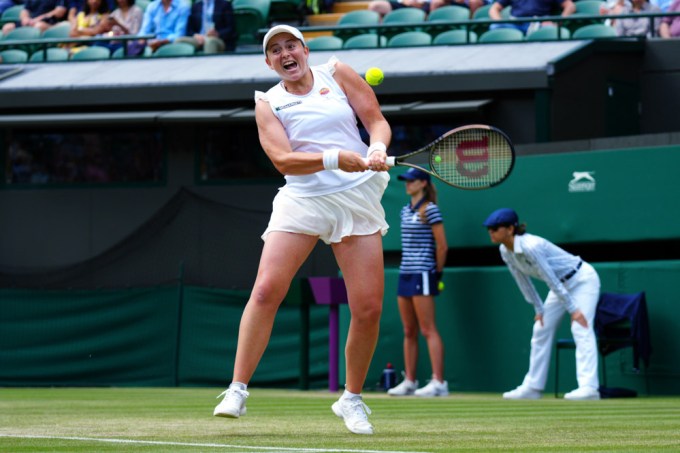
(281, 29)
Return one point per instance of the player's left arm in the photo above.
(442, 246)
(365, 104)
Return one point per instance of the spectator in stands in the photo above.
(311, 136)
(6, 4)
(670, 26)
(613, 7)
(211, 26)
(637, 26)
(424, 249)
(41, 14)
(385, 6)
(167, 19)
(574, 288)
(76, 6)
(532, 8)
(126, 19)
(663, 5)
(90, 21)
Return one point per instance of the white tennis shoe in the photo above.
(405, 388)
(522, 393)
(355, 414)
(583, 393)
(433, 388)
(233, 405)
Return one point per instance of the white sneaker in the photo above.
(583, 393)
(355, 414)
(407, 387)
(233, 405)
(522, 393)
(433, 388)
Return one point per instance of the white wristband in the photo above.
(331, 159)
(377, 146)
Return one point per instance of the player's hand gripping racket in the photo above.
(469, 157)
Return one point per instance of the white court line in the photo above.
(191, 444)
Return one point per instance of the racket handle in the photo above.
(390, 161)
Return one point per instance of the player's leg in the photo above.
(282, 256)
(542, 343)
(409, 322)
(425, 309)
(585, 291)
(361, 261)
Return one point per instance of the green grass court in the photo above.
(180, 419)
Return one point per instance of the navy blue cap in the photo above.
(502, 216)
(414, 173)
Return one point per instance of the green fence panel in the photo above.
(88, 338)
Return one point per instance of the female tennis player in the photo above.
(307, 126)
(574, 288)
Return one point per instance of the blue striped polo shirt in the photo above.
(417, 241)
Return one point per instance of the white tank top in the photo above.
(317, 121)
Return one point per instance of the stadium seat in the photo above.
(455, 37)
(449, 13)
(11, 14)
(92, 53)
(325, 43)
(548, 33)
(355, 18)
(175, 49)
(60, 31)
(482, 13)
(401, 16)
(501, 35)
(588, 7)
(365, 41)
(410, 39)
(287, 11)
(595, 31)
(621, 321)
(53, 54)
(143, 4)
(249, 17)
(14, 56)
(120, 53)
(23, 33)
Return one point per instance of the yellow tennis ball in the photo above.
(441, 286)
(437, 159)
(374, 76)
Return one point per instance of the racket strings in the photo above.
(473, 158)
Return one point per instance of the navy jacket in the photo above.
(223, 17)
(614, 308)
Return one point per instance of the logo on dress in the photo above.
(324, 91)
(583, 181)
(292, 104)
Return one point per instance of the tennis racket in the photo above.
(470, 157)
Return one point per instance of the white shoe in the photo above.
(407, 387)
(583, 393)
(522, 393)
(433, 388)
(355, 414)
(233, 405)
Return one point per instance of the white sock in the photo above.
(346, 395)
(238, 385)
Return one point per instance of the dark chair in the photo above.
(621, 321)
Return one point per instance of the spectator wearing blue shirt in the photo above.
(167, 19)
(211, 26)
(529, 8)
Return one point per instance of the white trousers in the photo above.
(584, 288)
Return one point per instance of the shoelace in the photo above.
(231, 394)
(359, 409)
